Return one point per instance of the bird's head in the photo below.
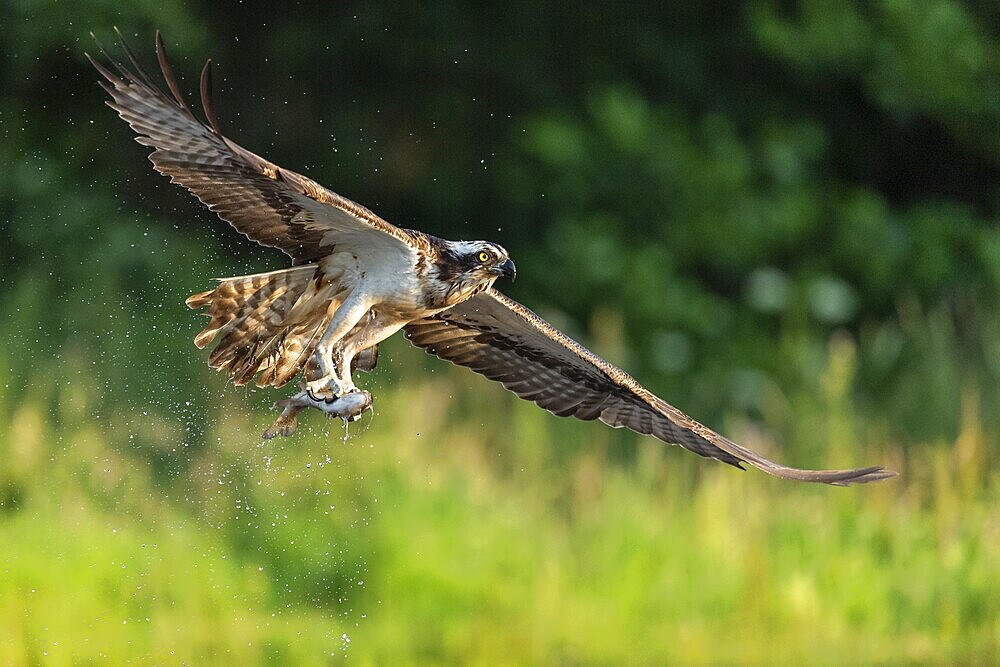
(469, 267)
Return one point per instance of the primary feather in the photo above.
(499, 338)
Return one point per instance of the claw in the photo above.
(322, 390)
(329, 388)
(319, 399)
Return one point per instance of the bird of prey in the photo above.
(356, 279)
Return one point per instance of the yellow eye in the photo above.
(484, 257)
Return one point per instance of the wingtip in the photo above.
(206, 97)
(102, 70)
(99, 45)
(847, 477)
(832, 477)
(867, 475)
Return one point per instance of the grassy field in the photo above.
(478, 530)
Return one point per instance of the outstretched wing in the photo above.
(270, 205)
(504, 341)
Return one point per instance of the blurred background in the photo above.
(780, 216)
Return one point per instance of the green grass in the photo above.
(479, 531)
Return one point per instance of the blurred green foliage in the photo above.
(782, 217)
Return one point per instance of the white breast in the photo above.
(386, 278)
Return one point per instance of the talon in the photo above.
(326, 390)
(320, 396)
(318, 399)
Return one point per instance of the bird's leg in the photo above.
(324, 376)
(329, 372)
(349, 402)
(342, 357)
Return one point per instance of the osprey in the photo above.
(355, 280)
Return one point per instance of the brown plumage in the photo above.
(265, 323)
(499, 338)
(356, 279)
(273, 206)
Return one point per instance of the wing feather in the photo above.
(504, 341)
(273, 206)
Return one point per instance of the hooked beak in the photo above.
(506, 269)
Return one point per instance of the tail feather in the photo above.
(297, 348)
(261, 314)
(266, 323)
